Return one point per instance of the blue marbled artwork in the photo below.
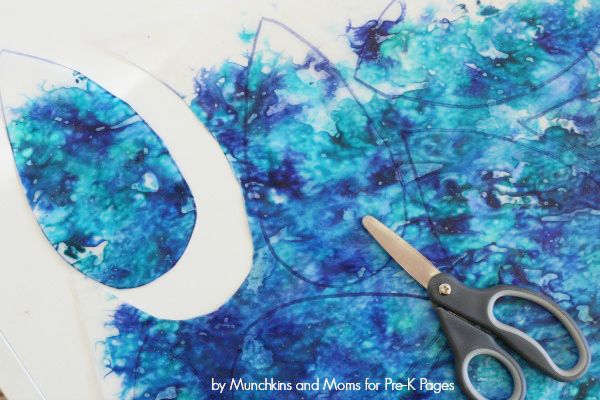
(102, 185)
(473, 132)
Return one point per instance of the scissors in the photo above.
(467, 318)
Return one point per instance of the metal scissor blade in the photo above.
(413, 262)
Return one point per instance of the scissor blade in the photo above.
(415, 263)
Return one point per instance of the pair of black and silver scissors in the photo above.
(467, 318)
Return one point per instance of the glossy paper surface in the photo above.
(472, 132)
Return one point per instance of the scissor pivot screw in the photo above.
(445, 289)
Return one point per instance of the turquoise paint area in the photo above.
(458, 56)
(102, 185)
(496, 180)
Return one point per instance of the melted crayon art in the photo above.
(473, 132)
(102, 185)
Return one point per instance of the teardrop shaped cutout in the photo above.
(102, 185)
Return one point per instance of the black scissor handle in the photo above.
(468, 342)
(477, 305)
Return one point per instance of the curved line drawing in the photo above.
(247, 183)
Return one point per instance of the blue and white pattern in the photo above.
(478, 143)
(471, 130)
